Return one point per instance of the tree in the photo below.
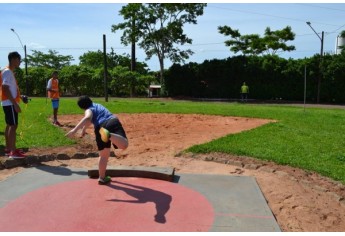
(129, 83)
(78, 80)
(94, 59)
(253, 44)
(159, 28)
(342, 34)
(39, 77)
(50, 60)
(333, 78)
(131, 31)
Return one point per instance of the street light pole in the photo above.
(26, 64)
(320, 67)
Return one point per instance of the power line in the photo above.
(328, 8)
(318, 6)
(338, 29)
(275, 16)
(289, 18)
(214, 43)
(70, 48)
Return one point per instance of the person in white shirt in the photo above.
(10, 98)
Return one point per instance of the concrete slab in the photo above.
(35, 178)
(162, 173)
(237, 204)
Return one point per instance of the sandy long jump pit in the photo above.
(155, 137)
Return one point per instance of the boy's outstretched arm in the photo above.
(83, 124)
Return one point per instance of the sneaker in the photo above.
(7, 151)
(16, 155)
(104, 134)
(104, 181)
(58, 123)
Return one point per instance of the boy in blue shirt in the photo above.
(108, 130)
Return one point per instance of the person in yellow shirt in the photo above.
(54, 95)
(244, 92)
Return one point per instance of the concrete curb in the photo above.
(7, 163)
(160, 173)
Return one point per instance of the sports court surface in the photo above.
(60, 199)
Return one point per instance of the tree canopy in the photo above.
(159, 29)
(253, 44)
(52, 59)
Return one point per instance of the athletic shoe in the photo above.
(104, 181)
(57, 123)
(20, 151)
(104, 134)
(7, 151)
(16, 155)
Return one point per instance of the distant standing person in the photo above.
(108, 130)
(244, 92)
(54, 95)
(10, 98)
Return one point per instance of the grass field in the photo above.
(310, 139)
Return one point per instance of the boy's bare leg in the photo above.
(119, 141)
(6, 137)
(103, 161)
(55, 111)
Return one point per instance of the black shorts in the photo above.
(11, 116)
(113, 126)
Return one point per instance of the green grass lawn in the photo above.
(310, 139)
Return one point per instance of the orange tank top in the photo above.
(55, 86)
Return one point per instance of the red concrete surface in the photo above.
(127, 205)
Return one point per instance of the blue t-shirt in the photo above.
(100, 114)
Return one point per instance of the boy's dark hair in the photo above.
(84, 102)
(13, 55)
(55, 72)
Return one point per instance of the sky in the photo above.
(76, 28)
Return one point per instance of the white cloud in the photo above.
(35, 46)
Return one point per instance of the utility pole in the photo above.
(105, 68)
(320, 63)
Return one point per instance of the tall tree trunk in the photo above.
(161, 64)
(133, 59)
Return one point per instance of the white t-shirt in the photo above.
(9, 80)
(49, 85)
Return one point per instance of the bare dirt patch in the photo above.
(300, 200)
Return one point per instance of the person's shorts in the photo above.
(113, 126)
(11, 116)
(55, 103)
